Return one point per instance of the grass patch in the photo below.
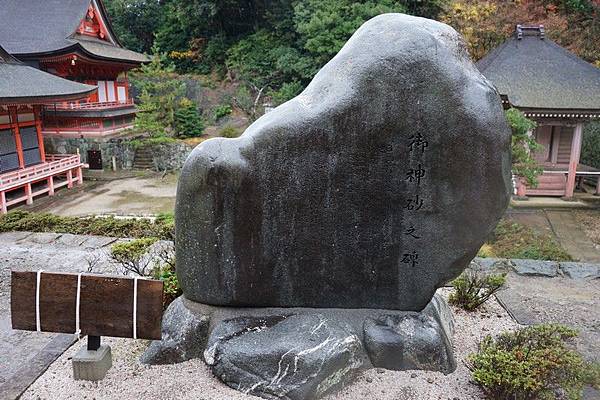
(514, 240)
(162, 228)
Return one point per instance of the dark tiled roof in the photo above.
(20, 83)
(37, 27)
(536, 73)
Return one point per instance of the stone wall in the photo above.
(170, 156)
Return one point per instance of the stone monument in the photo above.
(312, 246)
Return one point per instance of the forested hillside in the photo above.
(241, 53)
(279, 44)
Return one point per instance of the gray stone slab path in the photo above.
(572, 302)
(25, 355)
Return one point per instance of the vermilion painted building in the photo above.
(73, 39)
(556, 89)
(26, 170)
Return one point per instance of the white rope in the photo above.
(77, 307)
(135, 287)
(37, 301)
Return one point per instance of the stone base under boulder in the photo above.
(303, 353)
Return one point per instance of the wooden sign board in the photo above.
(106, 304)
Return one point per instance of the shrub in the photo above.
(288, 91)
(472, 289)
(171, 288)
(188, 121)
(536, 362)
(162, 228)
(523, 145)
(514, 240)
(229, 131)
(132, 256)
(221, 111)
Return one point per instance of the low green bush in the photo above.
(536, 362)
(171, 288)
(162, 228)
(229, 131)
(221, 111)
(471, 289)
(514, 240)
(131, 256)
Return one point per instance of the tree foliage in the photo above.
(523, 145)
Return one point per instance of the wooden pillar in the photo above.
(574, 159)
(50, 186)
(597, 186)
(79, 176)
(3, 202)
(28, 194)
(38, 128)
(14, 116)
(69, 179)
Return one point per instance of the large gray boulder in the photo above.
(370, 189)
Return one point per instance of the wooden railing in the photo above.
(106, 105)
(55, 164)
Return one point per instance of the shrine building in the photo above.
(560, 92)
(73, 39)
(26, 170)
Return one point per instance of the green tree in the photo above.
(161, 93)
(135, 21)
(325, 25)
(523, 145)
(188, 121)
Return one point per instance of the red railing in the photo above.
(55, 164)
(106, 105)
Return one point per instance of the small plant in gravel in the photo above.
(536, 362)
(472, 289)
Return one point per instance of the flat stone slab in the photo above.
(535, 267)
(301, 353)
(575, 270)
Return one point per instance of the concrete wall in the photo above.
(170, 156)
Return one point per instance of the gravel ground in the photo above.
(590, 221)
(128, 379)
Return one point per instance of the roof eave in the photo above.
(46, 99)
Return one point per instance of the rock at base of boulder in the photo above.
(184, 335)
(535, 268)
(303, 353)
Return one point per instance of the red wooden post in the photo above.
(3, 202)
(51, 186)
(38, 128)
(574, 159)
(15, 125)
(70, 179)
(28, 194)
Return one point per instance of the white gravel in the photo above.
(128, 379)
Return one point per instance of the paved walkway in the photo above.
(25, 355)
(563, 226)
(575, 303)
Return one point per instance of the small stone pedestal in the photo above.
(92, 365)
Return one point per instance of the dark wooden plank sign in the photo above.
(106, 304)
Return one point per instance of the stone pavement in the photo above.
(25, 355)
(572, 302)
(563, 226)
